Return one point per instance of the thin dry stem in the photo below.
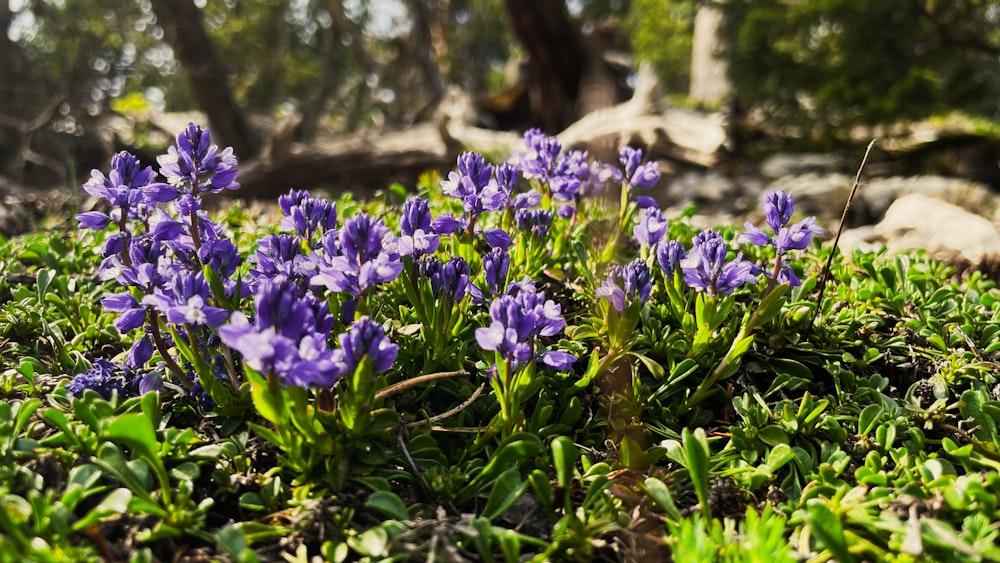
(450, 412)
(840, 229)
(414, 381)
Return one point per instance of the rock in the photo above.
(713, 193)
(878, 194)
(784, 164)
(948, 232)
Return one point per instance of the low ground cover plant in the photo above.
(498, 365)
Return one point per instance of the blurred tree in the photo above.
(181, 22)
(848, 61)
(661, 33)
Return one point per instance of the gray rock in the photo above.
(878, 194)
(947, 231)
(783, 164)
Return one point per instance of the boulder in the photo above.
(947, 231)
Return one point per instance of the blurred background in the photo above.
(350, 93)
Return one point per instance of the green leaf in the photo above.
(270, 405)
(778, 457)
(136, 431)
(115, 503)
(827, 527)
(519, 448)
(43, 279)
(654, 367)
(696, 452)
(660, 493)
(632, 455)
(542, 487)
(973, 403)
(868, 418)
(564, 455)
(388, 504)
(507, 488)
(771, 305)
(773, 435)
(370, 543)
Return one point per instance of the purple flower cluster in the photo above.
(705, 267)
(287, 337)
(131, 190)
(626, 284)
(307, 216)
(108, 379)
(183, 300)
(450, 278)
(569, 176)
(358, 256)
(365, 338)
(636, 174)
(496, 268)
(535, 222)
(652, 228)
(418, 235)
(778, 209)
(473, 184)
(196, 165)
(669, 254)
(518, 319)
(158, 252)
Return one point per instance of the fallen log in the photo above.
(370, 160)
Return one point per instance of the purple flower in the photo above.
(366, 256)
(517, 320)
(133, 315)
(651, 228)
(93, 220)
(365, 338)
(778, 208)
(104, 377)
(705, 267)
(140, 353)
(417, 237)
(626, 285)
(798, 236)
(543, 151)
(637, 174)
(496, 265)
(498, 238)
(447, 224)
(450, 278)
(307, 215)
(130, 189)
(196, 164)
(669, 254)
(276, 255)
(533, 221)
(570, 174)
(287, 336)
(183, 301)
(473, 185)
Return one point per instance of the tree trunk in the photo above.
(557, 58)
(184, 31)
(420, 33)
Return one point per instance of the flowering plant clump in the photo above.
(518, 320)
(389, 378)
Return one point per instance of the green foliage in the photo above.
(724, 427)
(837, 62)
(661, 33)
